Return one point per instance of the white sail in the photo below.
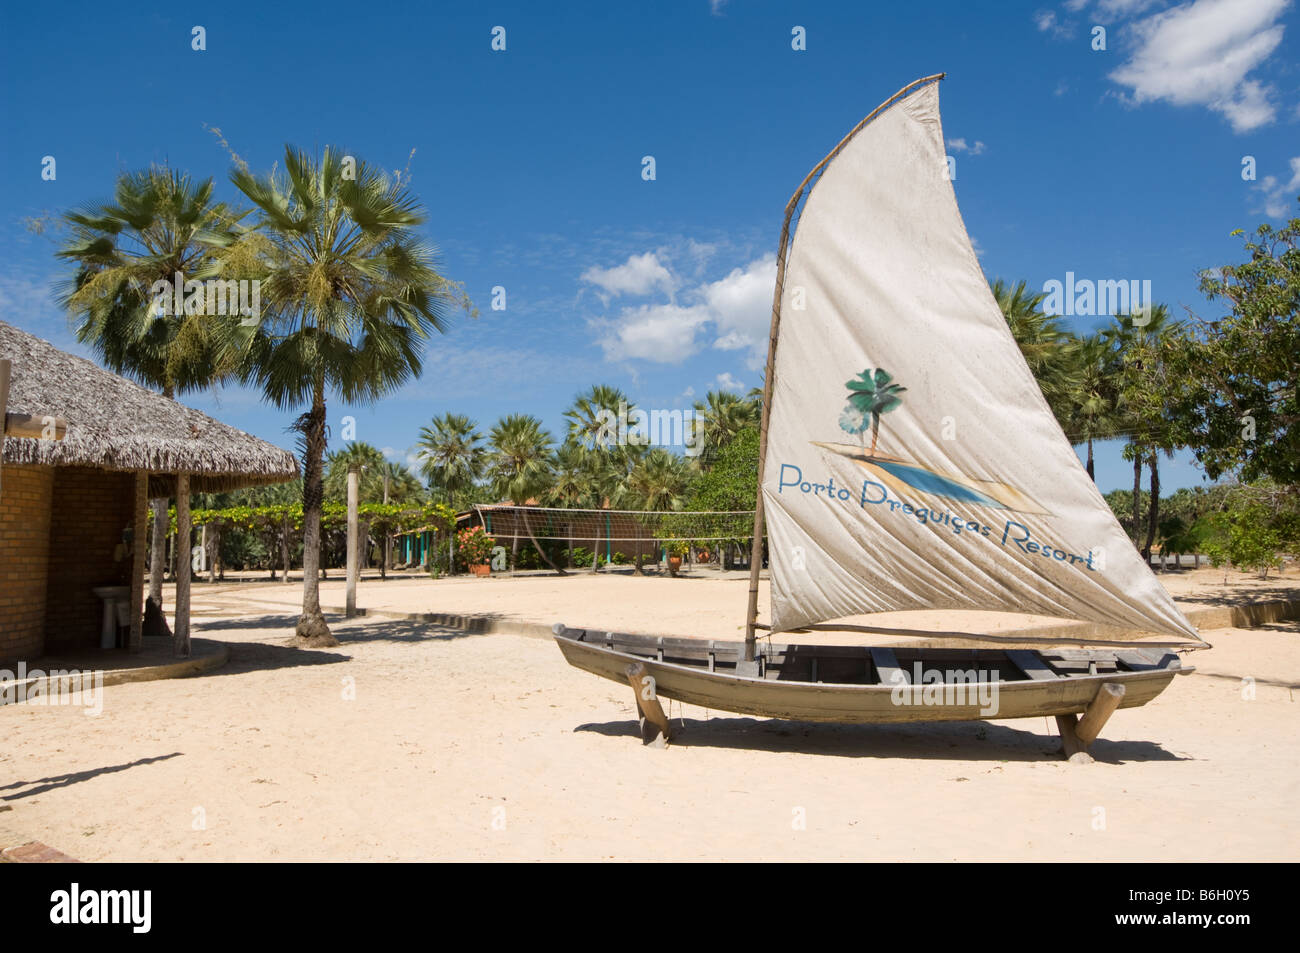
(972, 497)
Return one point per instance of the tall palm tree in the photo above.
(520, 469)
(160, 222)
(452, 455)
(352, 294)
(719, 417)
(1140, 341)
(1093, 400)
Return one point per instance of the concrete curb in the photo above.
(216, 654)
(470, 624)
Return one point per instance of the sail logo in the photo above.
(946, 687)
(872, 395)
(1086, 297)
(131, 907)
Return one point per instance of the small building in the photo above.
(73, 505)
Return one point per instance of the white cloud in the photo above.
(1047, 22)
(639, 275)
(737, 309)
(1200, 54)
(666, 333)
(741, 307)
(960, 145)
(1279, 197)
(725, 381)
(715, 7)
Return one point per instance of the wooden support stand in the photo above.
(1077, 733)
(655, 728)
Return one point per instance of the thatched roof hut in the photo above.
(81, 453)
(115, 424)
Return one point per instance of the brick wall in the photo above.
(91, 508)
(24, 556)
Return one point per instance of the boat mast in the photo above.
(769, 374)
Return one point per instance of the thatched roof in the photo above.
(115, 424)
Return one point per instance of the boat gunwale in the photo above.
(1164, 671)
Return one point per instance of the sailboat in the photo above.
(909, 461)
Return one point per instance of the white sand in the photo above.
(449, 733)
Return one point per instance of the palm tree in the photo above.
(371, 461)
(873, 394)
(452, 456)
(593, 411)
(160, 222)
(1092, 403)
(1041, 338)
(720, 416)
(1140, 345)
(658, 482)
(352, 294)
(520, 470)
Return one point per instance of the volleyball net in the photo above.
(587, 526)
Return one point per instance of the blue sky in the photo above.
(1116, 163)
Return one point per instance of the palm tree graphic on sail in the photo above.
(870, 395)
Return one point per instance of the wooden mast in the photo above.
(769, 374)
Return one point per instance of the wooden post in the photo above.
(354, 490)
(139, 522)
(1074, 748)
(183, 568)
(1102, 707)
(647, 703)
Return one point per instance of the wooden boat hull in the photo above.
(860, 685)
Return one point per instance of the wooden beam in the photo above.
(1074, 748)
(1102, 707)
(354, 559)
(1032, 664)
(139, 514)
(183, 557)
(647, 702)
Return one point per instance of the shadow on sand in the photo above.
(42, 785)
(943, 741)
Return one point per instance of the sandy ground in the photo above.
(414, 742)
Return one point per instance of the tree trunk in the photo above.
(1137, 495)
(213, 542)
(1153, 511)
(536, 545)
(1092, 473)
(312, 630)
(284, 546)
(158, 550)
